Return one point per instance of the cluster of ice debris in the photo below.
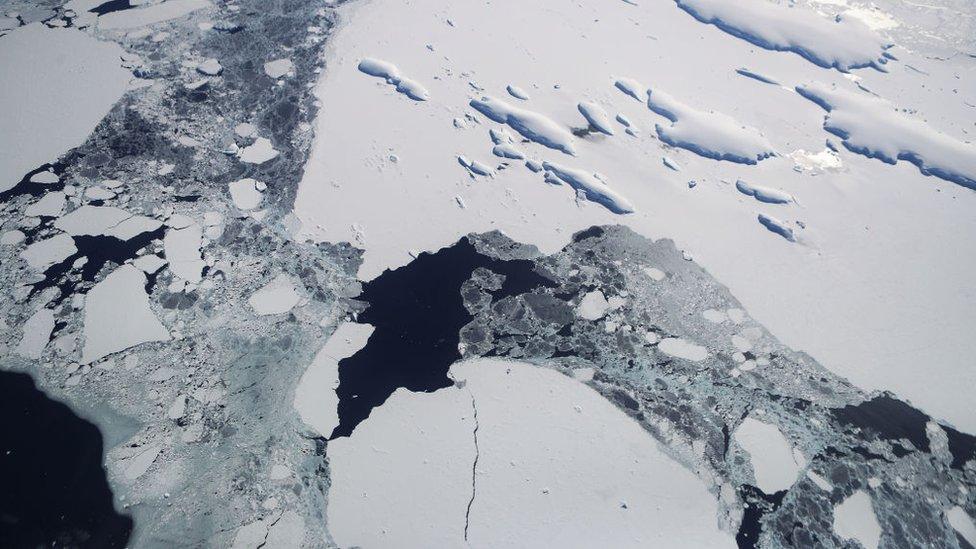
(152, 283)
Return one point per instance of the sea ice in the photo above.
(259, 152)
(37, 332)
(278, 68)
(149, 15)
(529, 124)
(245, 193)
(391, 73)
(117, 315)
(854, 518)
(773, 463)
(42, 254)
(276, 297)
(595, 189)
(682, 348)
(596, 116)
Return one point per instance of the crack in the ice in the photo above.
(474, 468)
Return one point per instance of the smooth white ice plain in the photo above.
(830, 293)
(117, 315)
(57, 85)
(773, 462)
(411, 473)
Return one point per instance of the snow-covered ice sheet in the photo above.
(373, 181)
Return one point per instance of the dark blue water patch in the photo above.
(54, 488)
(26, 187)
(961, 446)
(757, 504)
(99, 251)
(887, 418)
(110, 6)
(417, 312)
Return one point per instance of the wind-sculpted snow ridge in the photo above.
(529, 124)
(874, 128)
(391, 73)
(844, 44)
(709, 134)
(596, 116)
(764, 194)
(594, 189)
(777, 226)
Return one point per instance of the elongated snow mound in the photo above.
(596, 116)
(874, 128)
(709, 134)
(777, 226)
(391, 73)
(764, 194)
(844, 43)
(594, 189)
(529, 124)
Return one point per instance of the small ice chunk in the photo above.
(42, 254)
(276, 297)
(245, 194)
(669, 162)
(278, 68)
(50, 205)
(507, 150)
(12, 238)
(682, 348)
(45, 178)
(517, 92)
(777, 226)
(596, 116)
(245, 130)
(534, 165)
(259, 152)
(593, 306)
(624, 121)
(210, 67)
(117, 315)
(412, 89)
(149, 263)
(37, 332)
(474, 166)
(764, 194)
(821, 482)
(854, 518)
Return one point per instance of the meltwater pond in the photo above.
(55, 492)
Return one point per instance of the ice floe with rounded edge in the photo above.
(529, 124)
(682, 348)
(276, 297)
(259, 152)
(843, 43)
(595, 189)
(278, 68)
(707, 133)
(775, 465)
(246, 193)
(874, 128)
(632, 88)
(117, 315)
(391, 73)
(854, 518)
(596, 116)
(764, 194)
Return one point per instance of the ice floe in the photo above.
(315, 397)
(58, 84)
(276, 297)
(875, 128)
(259, 152)
(529, 124)
(42, 254)
(117, 315)
(106, 221)
(682, 348)
(37, 332)
(707, 133)
(246, 193)
(150, 14)
(591, 186)
(844, 43)
(278, 68)
(460, 461)
(596, 116)
(50, 205)
(961, 522)
(391, 73)
(773, 462)
(182, 248)
(854, 518)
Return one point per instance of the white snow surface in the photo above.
(830, 293)
(57, 85)
(117, 315)
(409, 475)
(773, 462)
(844, 44)
(854, 518)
